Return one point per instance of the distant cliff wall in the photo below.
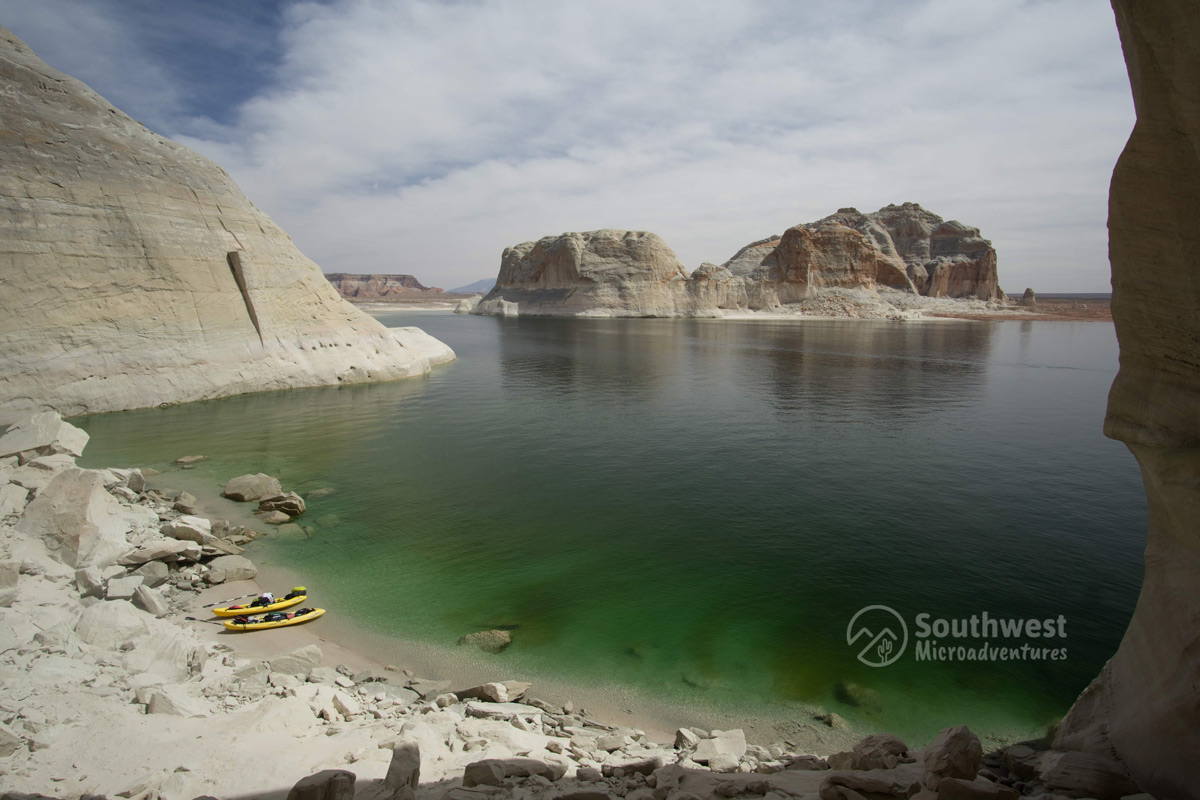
(382, 287)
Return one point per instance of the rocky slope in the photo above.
(624, 273)
(382, 287)
(1144, 706)
(134, 273)
(103, 692)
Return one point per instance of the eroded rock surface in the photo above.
(1144, 705)
(904, 249)
(136, 273)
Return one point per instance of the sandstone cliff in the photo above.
(912, 249)
(1145, 705)
(609, 272)
(382, 287)
(134, 272)
(626, 273)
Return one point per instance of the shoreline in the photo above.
(615, 704)
(106, 689)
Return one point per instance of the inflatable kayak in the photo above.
(278, 619)
(294, 597)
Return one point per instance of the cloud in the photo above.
(425, 137)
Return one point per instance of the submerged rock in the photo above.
(488, 641)
(287, 503)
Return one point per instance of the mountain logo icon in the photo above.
(880, 633)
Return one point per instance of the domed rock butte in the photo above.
(135, 273)
(634, 273)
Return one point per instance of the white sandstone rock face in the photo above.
(137, 274)
(111, 623)
(605, 272)
(44, 432)
(80, 522)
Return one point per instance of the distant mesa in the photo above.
(397, 288)
(379, 287)
(482, 286)
(838, 265)
(135, 273)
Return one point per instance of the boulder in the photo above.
(807, 762)
(878, 751)
(954, 753)
(122, 588)
(504, 692)
(297, 662)
(405, 767)
(685, 739)
(492, 641)
(429, 689)
(153, 574)
(869, 784)
(288, 503)
(13, 499)
(235, 568)
(190, 529)
(730, 743)
(1086, 775)
(245, 488)
(1029, 299)
(169, 550)
(79, 521)
(10, 741)
(491, 771)
(273, 517)
(1021, 761)
(136, 482)
(176, 701)
(45, 433)
(724, 762)
(150, 601)
(961, 789)
(168, 654)
(110, 624)
(329, 784)
(10, 574)
(89, 581)
(185, 503)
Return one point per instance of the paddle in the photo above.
(230, 600)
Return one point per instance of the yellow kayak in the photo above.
(303, 615)
(241, 611)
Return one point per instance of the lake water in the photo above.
(697, 508)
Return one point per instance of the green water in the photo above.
(697, 508)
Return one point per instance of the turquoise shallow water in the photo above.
(697, 508)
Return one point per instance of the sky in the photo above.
(425, 137)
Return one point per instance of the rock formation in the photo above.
(609, 272)
(1144, 706)
(383, 287)
(914, 250)
(626, 273)
(134, 272)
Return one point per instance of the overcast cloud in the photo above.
(425, 137)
